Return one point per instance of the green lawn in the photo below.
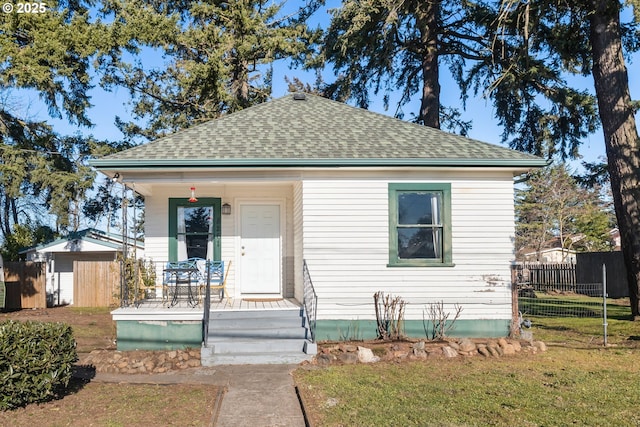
(576, 382)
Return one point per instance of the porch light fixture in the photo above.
(193, 199)
(226, 209)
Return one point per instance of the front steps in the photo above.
(251, 337)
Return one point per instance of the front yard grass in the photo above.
(120, 405)
(576, 382)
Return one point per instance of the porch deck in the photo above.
(157, 306)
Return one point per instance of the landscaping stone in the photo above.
(449, 351)
(365, 355)
(325, 358)
(516, 345)
(348, 358)
(482, 349)
(467, 346)
(141, 361)
(493, 351)
(508, 350)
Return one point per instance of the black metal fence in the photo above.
(552, 290)
(588, 303)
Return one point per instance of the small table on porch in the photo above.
(177, 276)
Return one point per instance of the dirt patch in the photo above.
(95, 335)
(110, 404)
(114, 404)
(93, 328)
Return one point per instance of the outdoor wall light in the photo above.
(226, 209)
(193, 199)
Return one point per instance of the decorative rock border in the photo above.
(156, 362)
(371, 352)
(141, 361)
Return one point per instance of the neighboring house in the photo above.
(614, 234)
(551, 256)
(369, 202)
(85, 245)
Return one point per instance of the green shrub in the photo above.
(36, 361)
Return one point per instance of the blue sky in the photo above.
(484, 126)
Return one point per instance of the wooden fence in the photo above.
(96, 283)
(26, 285)
(546, 277)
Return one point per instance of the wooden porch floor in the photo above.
(225, 305)
(254, 304)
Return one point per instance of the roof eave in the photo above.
(122, 164)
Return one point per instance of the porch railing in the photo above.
(167, 283)
(310, 300)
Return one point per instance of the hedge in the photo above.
(36, 361)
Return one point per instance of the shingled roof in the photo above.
(308, 130)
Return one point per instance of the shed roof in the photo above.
(100, 240)
(313, 131)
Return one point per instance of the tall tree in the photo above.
(217, 57)
(553, 208)
(587, 37)
(397, 45)
(47, 53)
(620, 132)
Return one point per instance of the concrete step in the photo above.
(209, 358)
(257, 336)
(256, 345)
(218, 332)
(256, 322)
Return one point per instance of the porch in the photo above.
(228, 330)
(231, 332)
(183, 308)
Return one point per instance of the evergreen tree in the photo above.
(47, 53)
(587, 37)
(386, 46)
(217, 57)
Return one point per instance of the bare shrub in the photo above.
(389, 316)
(440, 323)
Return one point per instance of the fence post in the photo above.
(604, 302)
(514, 331)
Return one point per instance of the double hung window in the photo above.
(419, 224)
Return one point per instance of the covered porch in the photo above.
(178, 315)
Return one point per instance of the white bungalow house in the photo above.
(367, 202)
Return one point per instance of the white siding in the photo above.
(346, 245)
(338, 221)
(157, 226)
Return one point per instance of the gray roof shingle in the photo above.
(312, 131)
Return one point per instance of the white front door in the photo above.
(260, 249)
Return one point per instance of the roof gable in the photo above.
(310, 132)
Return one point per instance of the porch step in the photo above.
(256, 337)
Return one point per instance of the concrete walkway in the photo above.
(255, 395)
